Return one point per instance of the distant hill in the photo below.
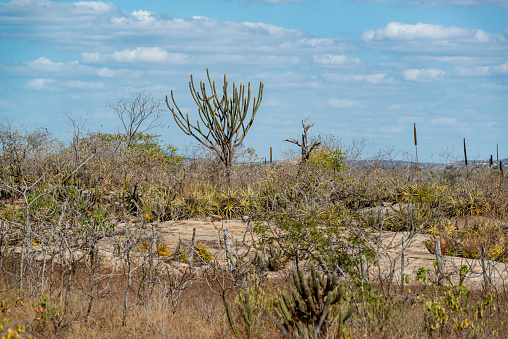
(401, 163)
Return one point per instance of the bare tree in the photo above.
(304, 145)
(18, 146)
(140, 109)
(223, 119)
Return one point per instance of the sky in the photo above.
(358, 69)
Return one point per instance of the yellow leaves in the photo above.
(204, 254)
(148, 217)
(161, 248)
(497, 251)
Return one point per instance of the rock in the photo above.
(245, 218)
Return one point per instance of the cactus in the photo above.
(231, 320)
(250, 303)
(223, 118)
(304, 312)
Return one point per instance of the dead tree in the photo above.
(304, 145)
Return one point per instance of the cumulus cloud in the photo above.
(422, 40)
(45, 65)
(419, 31)
(422, 75)
(56, 13)
(40, 84)
(148, 54)
(96, 29)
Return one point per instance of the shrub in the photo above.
(329, 158)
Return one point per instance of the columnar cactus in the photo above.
(224, 122)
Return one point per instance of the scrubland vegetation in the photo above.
(84, 248)
(81, 254)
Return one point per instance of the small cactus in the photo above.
(304, 311)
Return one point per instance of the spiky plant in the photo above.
(304, 313)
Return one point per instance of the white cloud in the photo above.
(448, 122)
(96, 7)
(91, 58)
(145, 16)
(40, 84)
(148, 54)
(334, 59)
(422, 41)
(420, 31)
(501, 69)
(84, 84)
(106, 73)
(482, 71)
(45, 65)
(240, 59)
(375, 78)
(56, 13)
(423, 75)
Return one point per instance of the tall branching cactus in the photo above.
(223, 120)
(304, 313)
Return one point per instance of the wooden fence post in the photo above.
(439, 258)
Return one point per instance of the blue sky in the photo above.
(357, 68)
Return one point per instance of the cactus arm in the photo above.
(232, 321)
(349, 313)
(284, 304)
(297, 282)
